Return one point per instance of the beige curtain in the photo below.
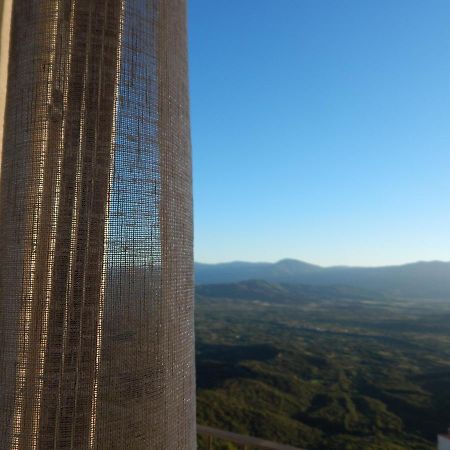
(96, 286)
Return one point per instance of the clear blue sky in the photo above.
(321, 130)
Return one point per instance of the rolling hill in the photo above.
(263, 291)
(322, 367)
(418, 280)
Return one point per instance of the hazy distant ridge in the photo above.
(415, 280)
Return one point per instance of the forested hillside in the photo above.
(340, 369)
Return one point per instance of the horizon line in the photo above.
(239, 261)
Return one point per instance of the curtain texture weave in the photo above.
(96, 282)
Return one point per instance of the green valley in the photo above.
(332, 368)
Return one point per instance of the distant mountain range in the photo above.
(418, 280)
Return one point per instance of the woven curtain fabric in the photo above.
(96, 282)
